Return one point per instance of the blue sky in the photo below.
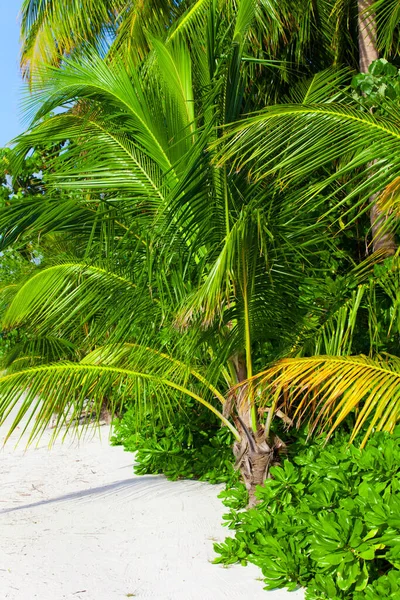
(10, 95)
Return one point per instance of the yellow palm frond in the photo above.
(326, 389)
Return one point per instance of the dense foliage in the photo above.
(191, 446)
(184, 276)
(200, 227)
(196, 243)
(381, 84)
(328, 521)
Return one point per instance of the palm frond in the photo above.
(137, 22)
(105, 87)
(327, 389)
(291, 142)
(335, 335)
(191, 20)
(75, 297)
(70, 389)
(325, 86)
(33, 351)
(387, 14)
(175, 67)
(140, 357)
(54, 29)
(33, 217)
(51, 28)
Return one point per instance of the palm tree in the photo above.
(188, 268)
(187, 265)
(360, 154)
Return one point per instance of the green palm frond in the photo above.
(71, 389)
(292, 142)
(30, 217)
(53, 29)
(388, 18)
(113, 90)
(244, 19)
(327, 389)
(360, 130)
(127, 170)
(72, 297)
(129, 355)
(334, 333)
(32, 351)
(325, 86)
(192, 20)
(359, 312)
(175, 66)
(135, 22)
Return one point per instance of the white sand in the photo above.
(76, 523)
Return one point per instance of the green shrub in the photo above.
(376, 89)
(192, 445)
(328, 521)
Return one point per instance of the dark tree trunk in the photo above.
(106, 416)
(382, 237)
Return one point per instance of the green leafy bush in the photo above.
(191, 446)
(381, 84)
(386, 586)
(328, 521)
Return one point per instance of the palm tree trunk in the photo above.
(254, 457)
(367, 34)
(382, 238)
(254, 454)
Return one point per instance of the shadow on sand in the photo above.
(134, 487)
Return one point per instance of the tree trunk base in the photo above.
(254, 458)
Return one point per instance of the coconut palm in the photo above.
(360, 152)
(188, 267)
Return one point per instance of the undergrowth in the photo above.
(191, 446)
(329, 521)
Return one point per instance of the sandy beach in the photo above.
(77, 523)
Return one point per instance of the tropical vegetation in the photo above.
(328, 521)
(204, 213)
